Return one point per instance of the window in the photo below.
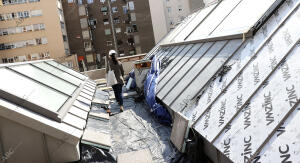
(83, 23)
(61, 14)
(85, 34)
(12, 2)
(44, 40)
(82, 10)
(113, 1)
(125, 9)
(109, 43)
(116, 20)
(10, 60)
(79, 2)
(42, 26)
(4, 60)
(90, 58)
(29, 28)
(103, 9)
(132, 16)
(114, 9)
(102, 1)
(129, 30)
(34, 56)
(20, 44)
(118, 30)
(136, 39)
(87, 46)
(38, 41)
(67, 51)
(36, 13)
(179, 8)
(105, 21)
(14, 15)
(93, 22)
(37, 27)
(119, 42)
(107, 32)
(20, 29)
(135, 28)
(26, 14)
(90, 1)
(130, 41)
(169, 9)
(20, 15)
(70, 1)
(22, 58)
(65, 38)
(62, 25)
(131, 5)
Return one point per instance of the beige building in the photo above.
(32, 30)
(166, 14)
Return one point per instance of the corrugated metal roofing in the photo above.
(240, 94)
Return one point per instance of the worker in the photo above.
(117, 67)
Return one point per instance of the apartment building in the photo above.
(33, 30)
(96, 26)
(166, 14)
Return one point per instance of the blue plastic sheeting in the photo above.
(131, 75)
(150, 85)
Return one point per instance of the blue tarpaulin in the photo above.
(131, 75)
(150, 85)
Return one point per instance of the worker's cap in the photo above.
(112, 52)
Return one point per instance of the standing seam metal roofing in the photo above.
(243, 103)
(39, 105)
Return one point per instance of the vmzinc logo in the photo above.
(247, 151)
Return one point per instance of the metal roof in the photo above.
(239, 93)
(226, 19)
(46, 96)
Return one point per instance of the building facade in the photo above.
(166, 14)
(96, 26)
(32, 30)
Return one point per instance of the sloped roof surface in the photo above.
(234, 18)
(240, 94)
(48, 93)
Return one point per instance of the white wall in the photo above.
(162, 18)
(22, 144)
(159, 21)
(176, 15)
